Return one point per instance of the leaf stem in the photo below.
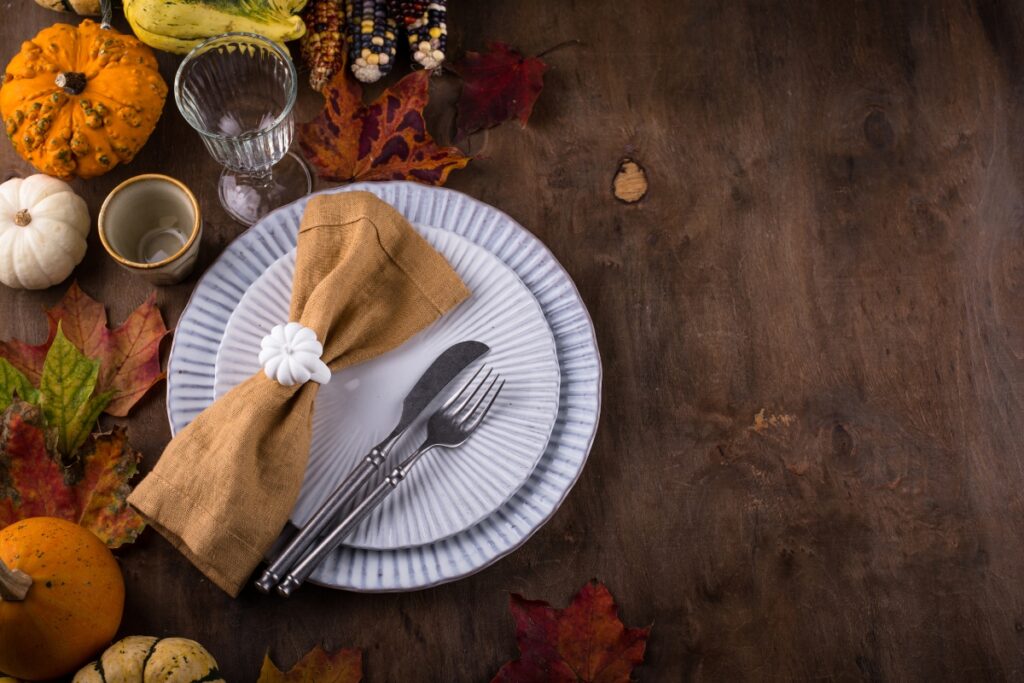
(559, 46)
(14, 584)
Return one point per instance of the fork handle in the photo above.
(328, 512)
(301, 571)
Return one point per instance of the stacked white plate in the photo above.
(460, 510)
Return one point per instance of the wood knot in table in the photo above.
(878, 131)
(630, 182)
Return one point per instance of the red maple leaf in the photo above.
(384, 140)
(129, 356)
(498, 85)
(585, 642)
(33, 484)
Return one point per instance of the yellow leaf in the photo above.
(317, 666)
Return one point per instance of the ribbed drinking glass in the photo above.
(238, 91)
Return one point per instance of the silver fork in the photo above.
(449, 427)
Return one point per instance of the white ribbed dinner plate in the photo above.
(200, 331)
(448, 490)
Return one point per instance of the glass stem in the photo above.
(261, 178)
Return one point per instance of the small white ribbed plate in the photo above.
(200, 330)
(448, 490)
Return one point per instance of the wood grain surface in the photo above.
(810, 459)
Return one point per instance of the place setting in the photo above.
(448, 505)
(419, 535)
(381, 386)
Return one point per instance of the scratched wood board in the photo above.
(810, 460)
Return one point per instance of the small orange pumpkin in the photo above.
(76, 101)
(61, 597)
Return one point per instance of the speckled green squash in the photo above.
(152, 660)
(179, 25)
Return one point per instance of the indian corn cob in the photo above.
(371, 30)
(425, 23)
(428, 33)
(321, 46)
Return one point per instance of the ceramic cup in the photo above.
(151, 225)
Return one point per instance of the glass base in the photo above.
(248, 198)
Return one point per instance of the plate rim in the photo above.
(590, 330)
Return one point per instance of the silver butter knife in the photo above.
(439, 375)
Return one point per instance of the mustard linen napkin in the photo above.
(365, 282)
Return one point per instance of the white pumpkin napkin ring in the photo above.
(291, 354)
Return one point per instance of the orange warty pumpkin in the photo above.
(77, 101)
(61, 597)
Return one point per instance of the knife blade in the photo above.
(439, 375)
(431, 383)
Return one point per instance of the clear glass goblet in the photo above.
(238, 91)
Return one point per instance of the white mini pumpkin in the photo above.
(88, 7)
(43, 226)
(290, 355)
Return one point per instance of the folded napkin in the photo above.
(365, 282)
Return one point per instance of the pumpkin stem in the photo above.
(14, 584)
(73, 82)
(22, 218)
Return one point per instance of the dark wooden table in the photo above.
(810, 460)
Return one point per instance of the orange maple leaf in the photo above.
(384, 140)
(33, 484)
(317, 666)
(585, 642)
(129, 356)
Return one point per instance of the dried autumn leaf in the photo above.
(66, 394)
(14, 383)
(27, 358)
(33, 481)
(585, 642)
(385, 140)
(317, 666)
(33, 484)
(102, 493)
(498, 85)
(129, 356)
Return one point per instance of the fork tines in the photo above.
(466, 413)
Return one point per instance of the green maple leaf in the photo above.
(66, 388)
(14, 383)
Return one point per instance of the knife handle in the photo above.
(301, 571)
(327, 513)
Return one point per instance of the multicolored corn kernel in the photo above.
(370, 28)
(321, 45)
(426, 24)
